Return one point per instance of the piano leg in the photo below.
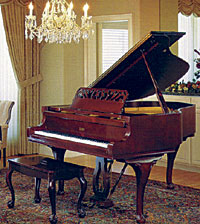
(142, 171)
(59, 155)
(170, 163)
(101, 189)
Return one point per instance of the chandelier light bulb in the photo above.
(58, 23)
(71, 5)
(47, 6)
(31, 9)
(70, 8)
(85, 9)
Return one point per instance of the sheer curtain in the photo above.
(8, 88)
(187, 44)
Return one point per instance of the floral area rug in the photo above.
(181, 205)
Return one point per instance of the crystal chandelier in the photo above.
(58, 23)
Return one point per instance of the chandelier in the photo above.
(58, 23)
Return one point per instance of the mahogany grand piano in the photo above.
(107, 119)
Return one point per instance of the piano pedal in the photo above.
(60, 192)
(108, 203)
(100, 202)
(89, 204)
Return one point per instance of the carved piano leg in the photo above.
(37, 197)
(101, 190)
(59, 155)
(11, 203)
(142, 171)
(170, 163)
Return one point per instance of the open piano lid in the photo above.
(130, 72)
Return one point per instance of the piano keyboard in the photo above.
(73, 138)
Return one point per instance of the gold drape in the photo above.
(20, 2)
(25, 60)
(187, 7)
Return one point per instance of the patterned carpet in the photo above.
(181, 205)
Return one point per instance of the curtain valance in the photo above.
(21, 2)
(187, 7)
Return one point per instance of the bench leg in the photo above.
(37, 197)
(4, 157)
(11, 203)
(83, 182)
(52, 196)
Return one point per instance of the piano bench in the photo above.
(52, 170)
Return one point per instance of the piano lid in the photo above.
(130, 72)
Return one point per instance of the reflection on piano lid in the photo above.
(73, 138)
(130, 71)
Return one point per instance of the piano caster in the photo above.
(37, 200)
(170, 186)
(53, 219)
(140, 219)
(11, 204)
(81, 213)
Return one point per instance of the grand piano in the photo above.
(110, 120)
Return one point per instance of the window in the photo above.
(113, 37)
(114, 42)
(187, 44)
(8, 86)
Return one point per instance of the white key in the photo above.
(73, 139)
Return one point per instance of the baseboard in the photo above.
(180, 166)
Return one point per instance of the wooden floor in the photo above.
(190, 179)
(181, 177)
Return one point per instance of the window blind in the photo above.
(114, 42)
